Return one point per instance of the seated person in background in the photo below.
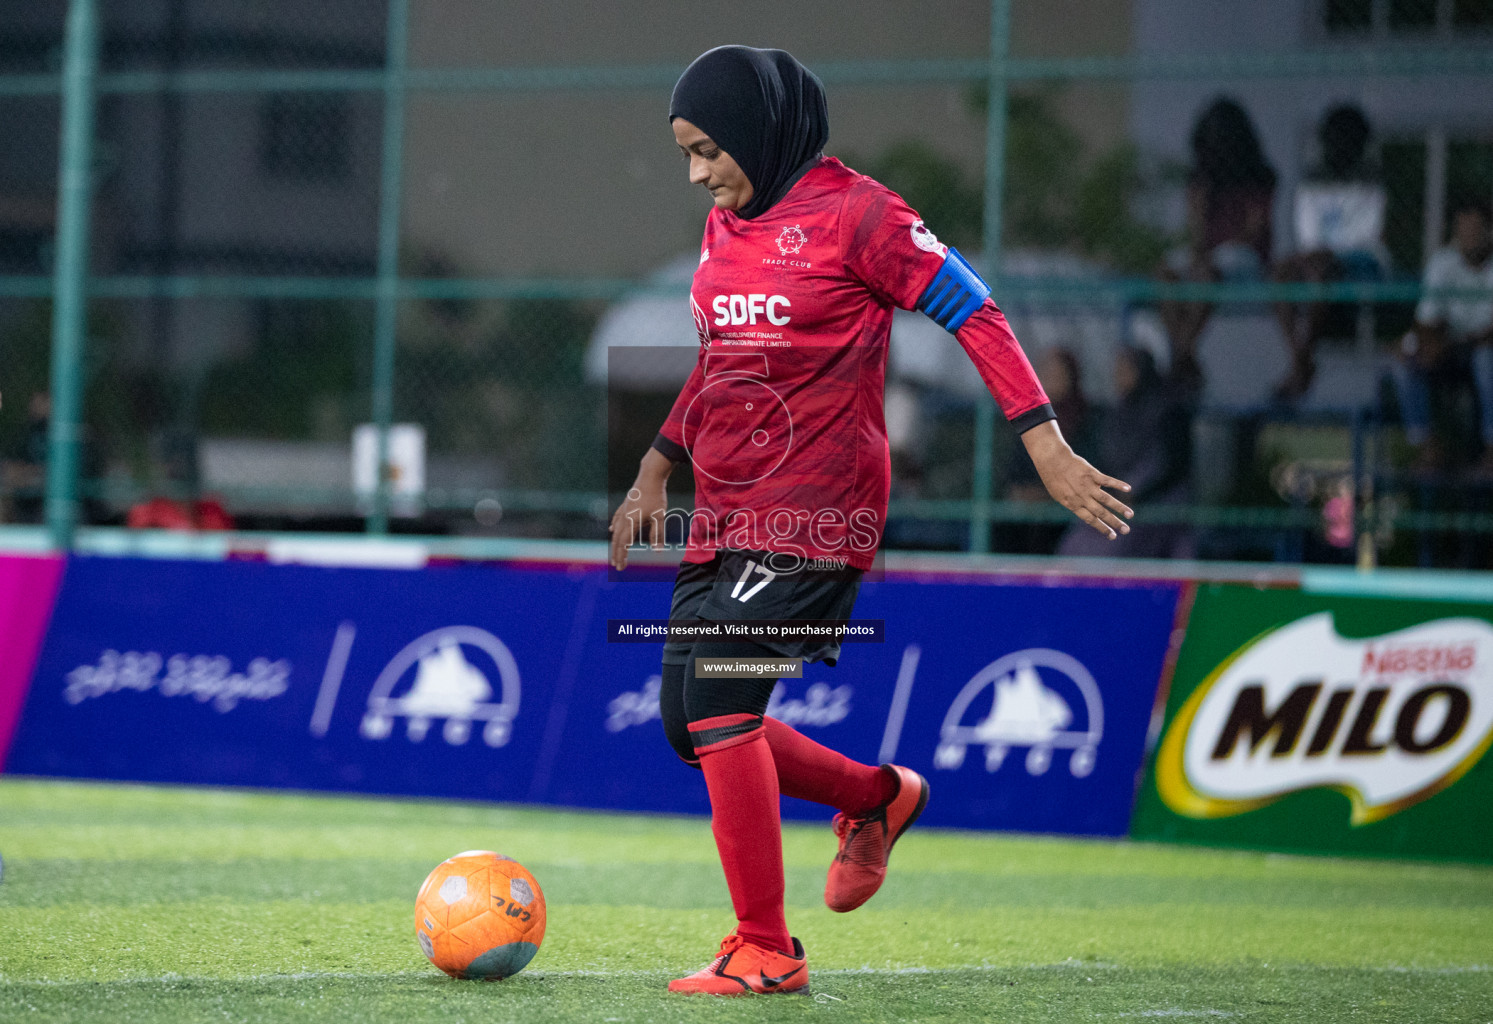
(1061, 375)
(1339, 218)
(1230, 194)
(25, 475)
(1453, 336)
(1058, 370)
(1149, 433)
(179, 514)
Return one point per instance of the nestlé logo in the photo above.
(1388, 721)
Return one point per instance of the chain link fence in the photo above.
(308, 222)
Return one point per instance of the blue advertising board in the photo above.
(1025, 705)
(244, 673)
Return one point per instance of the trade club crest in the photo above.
(791, 240)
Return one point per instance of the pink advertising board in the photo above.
(28, 591)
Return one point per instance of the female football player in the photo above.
(802, 263)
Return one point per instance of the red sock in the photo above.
(743, 786)
(811, 771)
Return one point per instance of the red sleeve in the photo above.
(670, 439)
(885, 245)
(1004, 368)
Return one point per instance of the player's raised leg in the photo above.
(876, 805)
(866, 841)
(811, 771)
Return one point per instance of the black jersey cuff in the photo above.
(1034, 416)
(675, 452)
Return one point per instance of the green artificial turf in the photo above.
(125, 903)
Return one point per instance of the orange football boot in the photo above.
(742, 969)
(866, 841)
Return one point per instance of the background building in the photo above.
(241, 174)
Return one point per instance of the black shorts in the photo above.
(737, 586)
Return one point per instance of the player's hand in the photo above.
(1076, 485)
(640, 517)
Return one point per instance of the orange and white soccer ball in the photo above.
(480, 915)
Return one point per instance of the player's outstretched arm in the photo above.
(1074, 484)
(641, 514)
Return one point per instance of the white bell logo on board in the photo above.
(1041, 701)
(459, 675)
(446, 684)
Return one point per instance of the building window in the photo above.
(305, 136)
(1426, 175)
(1472, 14)
(1348, 15)
(1407, 18)
(1412, 15)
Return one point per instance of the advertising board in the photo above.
(1321, 723)
(28, 586)
(1026, 705)
(247, 673)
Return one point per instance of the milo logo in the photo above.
(1389, 721)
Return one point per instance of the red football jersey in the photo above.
(782, 416)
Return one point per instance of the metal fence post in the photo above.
(386, 310)
(982, 489)
(70, 275)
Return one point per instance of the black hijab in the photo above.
(761, 106)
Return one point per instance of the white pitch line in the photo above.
(843, 972)
(582, 973)
(167, 979)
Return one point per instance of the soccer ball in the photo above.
(480, 915)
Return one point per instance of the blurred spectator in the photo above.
(175, 514)
(1062, 378)
(1339, 219)
(1061, 375)
(1230, 192)
(1452, 338)
(1147, 439)
(25, 474)
(176, 463)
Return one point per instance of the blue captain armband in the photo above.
(954, 294)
